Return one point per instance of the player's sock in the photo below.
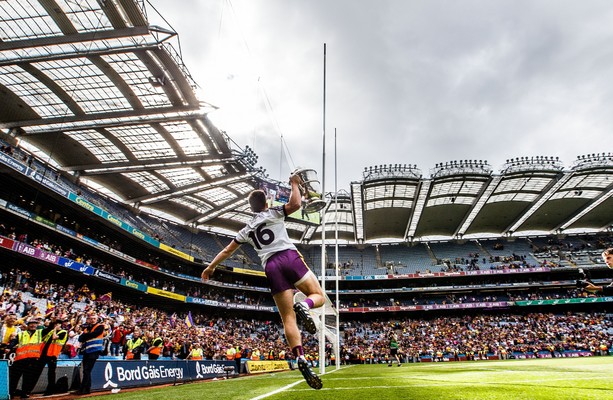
(298, 351)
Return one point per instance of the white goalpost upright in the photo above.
(326, 317)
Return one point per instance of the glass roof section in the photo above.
(32, 91)
(573, 194)
(518, 196)
(99, 145)
(86, 16)
(137, 76)
(214, 171)
(242, 187)
(596, 180)
(389, 194)
(519, 188)
(25, 19)
(191, 144)
(181, 176)
(148, 180)
(93, 91)
(217, 195)
(144, 142)
(100, 74)
(192, 203)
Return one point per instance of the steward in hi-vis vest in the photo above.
(92, 340)
(26, 363)
(155, 346)
(54, 339)
(135, 346)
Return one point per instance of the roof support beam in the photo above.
(418, 208)
(105, 120)
(74, 38)
(148, 165)
(63, 47)
(485, 194)
(189, 189)
(217, 211)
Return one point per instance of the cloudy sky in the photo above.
(407, 82)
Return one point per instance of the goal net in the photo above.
(330, 325)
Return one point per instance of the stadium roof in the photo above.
(101, 94)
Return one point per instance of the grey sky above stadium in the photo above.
(408, 82)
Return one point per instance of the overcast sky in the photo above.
(407, 82)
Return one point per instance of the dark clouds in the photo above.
(417, 82)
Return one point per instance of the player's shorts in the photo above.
(393, 351)
(284, 270)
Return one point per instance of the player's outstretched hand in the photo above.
(207, 273)
(590, 287)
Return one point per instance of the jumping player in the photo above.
(284, 267)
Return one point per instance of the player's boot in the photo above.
(310, 377)
(303, 314)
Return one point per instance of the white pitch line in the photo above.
(433, 384)
(291, 385)
(284, 388)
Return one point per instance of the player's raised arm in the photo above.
(219, 258)
(295, 198)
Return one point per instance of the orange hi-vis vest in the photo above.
(157, 350)
(56, 345)
(197, 354)
(29, 345)
(131, 345)
(230, 353)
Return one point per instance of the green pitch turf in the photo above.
(579, 378)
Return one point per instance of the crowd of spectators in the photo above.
(191, 288)
(451, 298)
(500, 334)
(213, 334)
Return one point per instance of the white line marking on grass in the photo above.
(291, 385)
(434, 383)
(284, 388)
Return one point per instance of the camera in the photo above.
(583, 280)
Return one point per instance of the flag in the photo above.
(173, 320)
(189, 321)
(106, 297)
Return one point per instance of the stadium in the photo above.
(119, 190)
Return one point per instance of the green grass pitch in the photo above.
(577, 378)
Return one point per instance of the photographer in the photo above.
(607, 256)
